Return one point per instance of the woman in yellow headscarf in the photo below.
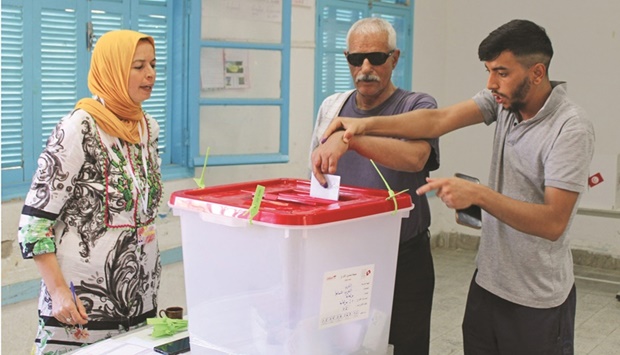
(88, 220)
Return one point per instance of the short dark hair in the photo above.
(525, 39)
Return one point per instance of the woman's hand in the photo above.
(66, 310)
(65, 307)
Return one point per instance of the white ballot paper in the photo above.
(329, 193)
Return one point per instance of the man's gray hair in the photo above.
(372, 25)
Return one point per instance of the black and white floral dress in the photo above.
(93, 201)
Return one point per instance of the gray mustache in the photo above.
(367, 78)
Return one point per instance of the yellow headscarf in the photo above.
(108, 78)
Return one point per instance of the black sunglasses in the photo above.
(375, 58)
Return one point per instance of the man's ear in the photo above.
(539, 71)
(395, 56)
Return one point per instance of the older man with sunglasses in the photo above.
(405, 164)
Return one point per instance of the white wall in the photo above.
(446, 37)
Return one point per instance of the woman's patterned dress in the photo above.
(93, 201)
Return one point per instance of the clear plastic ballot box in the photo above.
(304, 276)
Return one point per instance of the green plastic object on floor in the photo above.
(163, 327)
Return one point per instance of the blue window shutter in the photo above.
(335, 22)
(12, 83)
(58, 69)
(104, 22)
(45, 66)
(156, 25)
(154, 2)
(401, 23)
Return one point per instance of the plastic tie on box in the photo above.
(256, 201)
(163, 327)
(391, 193)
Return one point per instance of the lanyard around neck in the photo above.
(143, 189)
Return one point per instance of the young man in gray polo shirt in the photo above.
(522, 297)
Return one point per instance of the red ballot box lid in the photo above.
(288, 202)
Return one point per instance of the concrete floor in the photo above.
(597, 323)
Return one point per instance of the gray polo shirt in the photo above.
(554, 148)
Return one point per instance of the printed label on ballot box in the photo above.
(346, 295)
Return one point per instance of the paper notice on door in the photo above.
(346, 295)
